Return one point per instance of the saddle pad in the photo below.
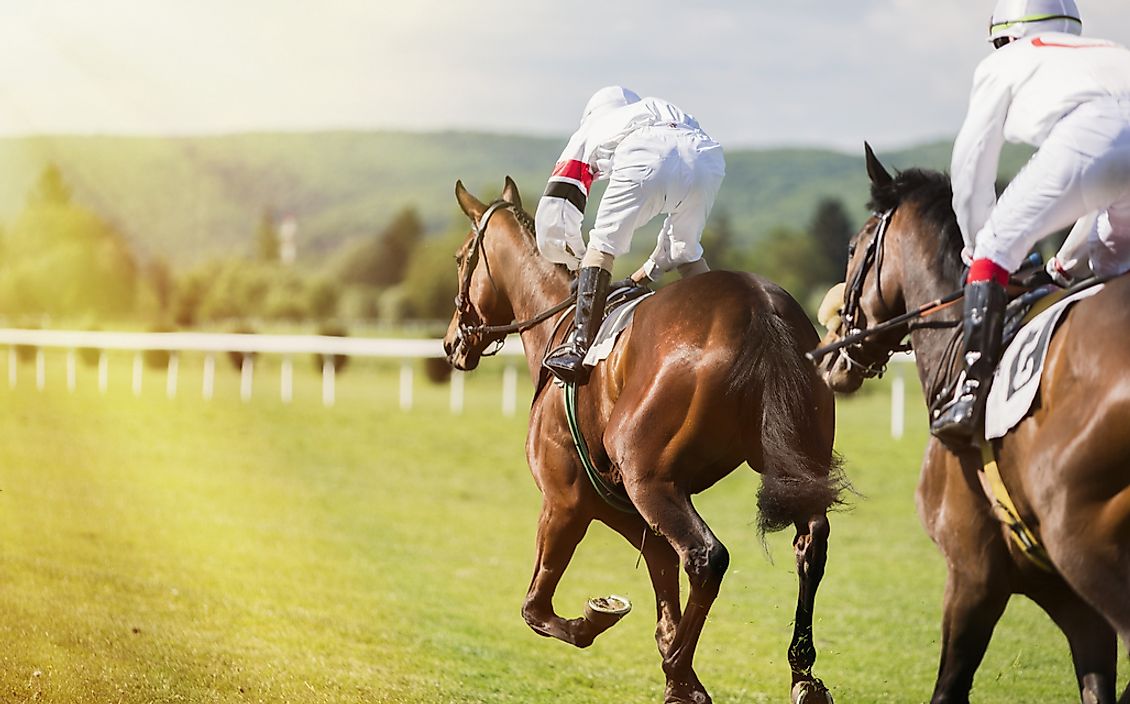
(610, 330)
(1017, 378)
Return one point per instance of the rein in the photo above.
(463, 304)
(854, 293)
(935, 306)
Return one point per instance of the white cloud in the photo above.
(805, 71)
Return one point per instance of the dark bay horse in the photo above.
(710, 374)
(1066, 466)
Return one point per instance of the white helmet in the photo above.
(608, 98)
(1013, 19)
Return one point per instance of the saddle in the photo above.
(1031, 293)
(1016, 381)
(618, 309)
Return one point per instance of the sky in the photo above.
(799, 72)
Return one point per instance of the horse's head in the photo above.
(873, 290)
(480, 302)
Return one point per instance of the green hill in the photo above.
(187, 199)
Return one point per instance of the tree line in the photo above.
(61, 260)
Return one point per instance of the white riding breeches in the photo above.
(1082, 167)
(655, 170)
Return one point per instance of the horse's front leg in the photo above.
(811, 548)
(973, 604)
(560, 529)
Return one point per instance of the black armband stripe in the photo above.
(569, 191)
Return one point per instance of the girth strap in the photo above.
(614, 498)
(1006, 511)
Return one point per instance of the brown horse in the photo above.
(710, 374)
(1066, 466)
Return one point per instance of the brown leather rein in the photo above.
(489, 334)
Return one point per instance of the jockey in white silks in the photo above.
(656, 159)
(1049, 87)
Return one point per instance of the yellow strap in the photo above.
(1043, 304)
(1006, 511)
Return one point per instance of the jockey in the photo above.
(656, 159)
(1046, 86)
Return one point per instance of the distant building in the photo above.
(288, 240)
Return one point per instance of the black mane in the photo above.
(931, 194)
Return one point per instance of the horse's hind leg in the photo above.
(1094, 647)
(811, 548)
(704, 559)
(560, 529)
(663, 568)
(1089, 547)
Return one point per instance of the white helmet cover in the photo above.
(1020, 18)
(608, 98)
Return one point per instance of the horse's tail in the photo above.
(798, 477)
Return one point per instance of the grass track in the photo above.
(164, 551)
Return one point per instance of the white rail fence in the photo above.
(212, 344)
(288, 346)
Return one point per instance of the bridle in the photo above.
(854, 338)
(469, 327)
(853, 294)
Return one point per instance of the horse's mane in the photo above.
(931, 194)
(525, 220)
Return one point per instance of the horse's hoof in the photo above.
(603, 612)
(811, 692)
(695, 697)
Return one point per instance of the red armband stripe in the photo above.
(576, 170)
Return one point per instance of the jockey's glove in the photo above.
(1059, 275)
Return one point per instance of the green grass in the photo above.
(156, 550)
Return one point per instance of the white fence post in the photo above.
(898, 405)
(329, 391)
(246, 375)
(103, 372)
(137, 369)
(286, 382)
(13, 367)
(40, 369)
(509, 389)
(171, 378)
(71, 371)
(456, 392)
(406, 386)
(209, 383)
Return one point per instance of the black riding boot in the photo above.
(957, 422)
(566, 362)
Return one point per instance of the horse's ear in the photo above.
(472, 206)
(510, 193)
(875, 171)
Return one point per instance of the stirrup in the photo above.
(567, 363)
(957, 422)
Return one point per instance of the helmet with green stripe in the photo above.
(1013, 19)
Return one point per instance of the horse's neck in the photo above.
(933, 346)
(533, 284)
